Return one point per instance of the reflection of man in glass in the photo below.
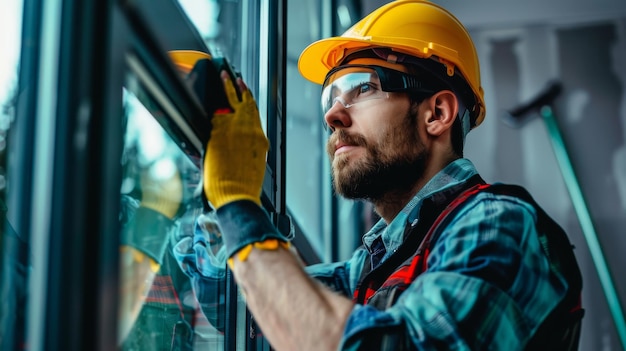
(159, 211)
(148, 213)
(154, 313)
(201, 256)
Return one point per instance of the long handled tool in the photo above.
(543, 104)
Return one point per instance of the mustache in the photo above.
(345, 138)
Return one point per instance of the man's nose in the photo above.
(337, 116)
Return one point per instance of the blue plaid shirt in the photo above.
(488, 284)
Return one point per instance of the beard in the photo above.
(394, 163)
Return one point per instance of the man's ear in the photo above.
(444, 108)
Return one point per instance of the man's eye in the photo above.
(364, 88)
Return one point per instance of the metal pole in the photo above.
(580, 206)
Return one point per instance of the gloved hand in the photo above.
(161, 200)
(202, 257)
(234, 166)
(234, 162)
(162, 188)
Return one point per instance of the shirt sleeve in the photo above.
(340, 277)
(488, 285)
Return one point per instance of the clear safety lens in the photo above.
(350, 86)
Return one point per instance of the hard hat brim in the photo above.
(317, 59)
(186, 59)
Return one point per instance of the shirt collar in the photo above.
(454, 173)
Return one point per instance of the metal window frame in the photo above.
(72, 106)
(76, 54)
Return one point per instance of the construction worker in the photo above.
(454, 263)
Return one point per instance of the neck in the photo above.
(391, 203)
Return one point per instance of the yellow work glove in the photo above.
(162, 188)
(234, 163)
(161, 199)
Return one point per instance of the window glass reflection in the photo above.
(159, 308)
(217, 22)
(13, 245)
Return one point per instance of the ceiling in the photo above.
(510, 13)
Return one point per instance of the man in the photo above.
(400, 91)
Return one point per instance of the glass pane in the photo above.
(159, 308)
(309, 191)
(13, 246)
(229, 28)
(218, 23)
(208, 17)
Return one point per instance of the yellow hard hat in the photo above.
(414, 27)
(186, 59)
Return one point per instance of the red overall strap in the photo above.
(406, 273)
(382, 285)
(426, 243)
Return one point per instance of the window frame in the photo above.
(75, 58)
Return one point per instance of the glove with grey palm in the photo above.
(234, 167)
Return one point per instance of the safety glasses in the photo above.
(353, 84)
